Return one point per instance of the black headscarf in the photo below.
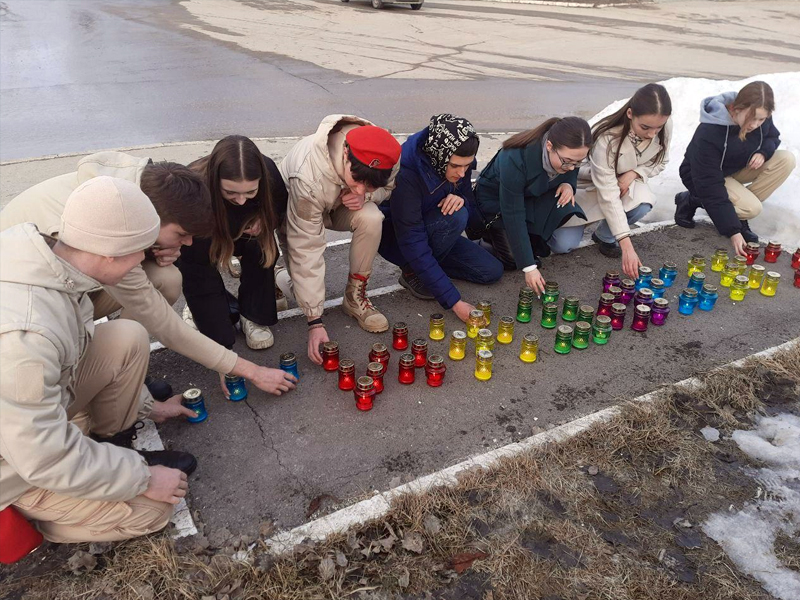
(446, 133)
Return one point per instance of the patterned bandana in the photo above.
(636, 141)
(446, 133)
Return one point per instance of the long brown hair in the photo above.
(569, 132)
(755, 95)
(652, 99)
(237, 158)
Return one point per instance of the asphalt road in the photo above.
(82, 75)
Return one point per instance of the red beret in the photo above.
(373, 146)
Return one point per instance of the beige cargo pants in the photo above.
(167, 280)
(109, 398)
(747, 200)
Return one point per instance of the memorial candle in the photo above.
(618, 316)
(657, 285)
(643, 296)
(570, 309)
(645, 275)
(696, 263)
(751, 251)
(616, 292)
(628, 290)
(330, 356)
(739, 288)
(796, 259)
(419, 348)
(611, 278)
(406, 372)
(797, 278)
(719, 260)
(194, 401)
(380, 353)
(731, 271)
(563, 339)
(236, 386)
(435, 370)
(770, 285)
(687, 301)
(755, 276)
(288, 363)
(505, 330)
(601, 330)
(641, 317)
(697, 280)
(483, 365)
(586, 313)
(772, 252)
(524, 308)
(436, 327)
(400, 336)
(668, 273)
(347, 374)
(458, 345)
(741, 264)
(529, 348)
(604, 306)
(486, 308)
(475, 322)
(364, 393)
(551, 292)
(707, 297)
(485, 340)
(659, 312)
(549, 315)
(580, 338)
(376, 370)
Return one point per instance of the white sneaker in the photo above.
(284, 283)
(187, 317)
(235, 267)
(258, 337)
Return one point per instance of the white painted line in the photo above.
(564, 4)
(377, 506)
(147, 438)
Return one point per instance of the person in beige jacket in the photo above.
(58, 373)
(335, 179)
(630, 147)
(146, 293)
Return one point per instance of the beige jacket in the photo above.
(45, 327)
(598, 189)
(43, 205)
(313, 177)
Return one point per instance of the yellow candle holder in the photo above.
(756, 276)
(483, 365)
(770, 285)
(436, 329)
(458, 345)
(530, 348)
(505, 330)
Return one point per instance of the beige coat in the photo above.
(313, 177)
(45, 327)
(43, 205)
(598, 189)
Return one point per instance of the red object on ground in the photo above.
(18, 537)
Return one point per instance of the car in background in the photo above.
(414, 4)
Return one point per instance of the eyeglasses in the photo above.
(571, 164)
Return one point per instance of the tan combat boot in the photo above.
(356, 304)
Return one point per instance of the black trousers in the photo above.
(497, 238)
(213, 307)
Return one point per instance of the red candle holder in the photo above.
(407, 372)
(379, 353)
(751, 252)
(604, 306)
(616, 292)
(618, 310)
(797, 278)
(435, 370)
(376, 371)
(772, 252)
(400, 336)
(347, 374)
(419, 348)
(330, 356)
(796, 259)
(641, 316)
(364, 393)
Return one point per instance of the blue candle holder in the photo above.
(697, 280)
(645, 276)
(708, 297)
(657, 285)
(236, 387)
(289, 364)
(687, 301)
(667, 273)
(193, 400)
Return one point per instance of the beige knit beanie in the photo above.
(110, 217)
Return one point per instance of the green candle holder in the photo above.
(549, 315)
(570, 310)
(551, 292)
(601, 330)
(524, 308)
(563, 339)
(580, 338)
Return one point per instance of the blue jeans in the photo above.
(566, 239)
(458, 257)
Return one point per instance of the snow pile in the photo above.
(748, 536)
(780, 219)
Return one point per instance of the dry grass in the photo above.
(539, 525)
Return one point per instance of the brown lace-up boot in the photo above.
(356, 304)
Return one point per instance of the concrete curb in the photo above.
(377, 506)
(569, 4)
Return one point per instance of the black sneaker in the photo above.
(414, 284)
(173, 459)
(159, 389)
(747, 233)
(685, 208)
(606, 249)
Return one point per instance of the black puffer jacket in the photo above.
(716, 152)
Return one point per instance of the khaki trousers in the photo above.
(110, 397)
(366, 225)
(166, 280)
(747, 199)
